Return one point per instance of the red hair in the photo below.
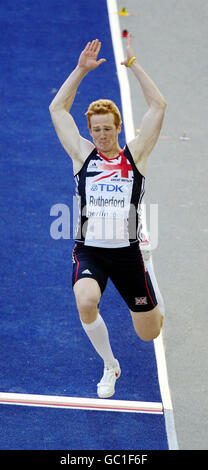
(103, 107)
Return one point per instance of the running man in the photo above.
(110, 186)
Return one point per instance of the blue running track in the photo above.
(43, 349)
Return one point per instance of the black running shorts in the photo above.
(124, 266)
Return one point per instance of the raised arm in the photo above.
(76, 146)
(151, 124)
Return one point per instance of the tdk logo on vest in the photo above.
(107, 187)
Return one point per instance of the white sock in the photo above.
(98, 334)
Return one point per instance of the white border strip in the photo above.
(81, 403)
(162, 372)
(129, 132)
(165, 393)
(121, 70)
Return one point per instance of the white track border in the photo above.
(129, 128)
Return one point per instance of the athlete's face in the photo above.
(104, 132)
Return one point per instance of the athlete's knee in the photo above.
(149, 335)
(152, 332)
(87, 301)
(87, 305)
(148, 325)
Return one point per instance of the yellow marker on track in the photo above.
(123, 12)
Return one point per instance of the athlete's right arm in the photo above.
(76, 146)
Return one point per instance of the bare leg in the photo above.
(87, 293)
(147, 324)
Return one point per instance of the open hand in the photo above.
(88, 58)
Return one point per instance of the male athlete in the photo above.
(110, 186)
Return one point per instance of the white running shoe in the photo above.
(106, 387)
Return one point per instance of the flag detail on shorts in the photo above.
(140, 300)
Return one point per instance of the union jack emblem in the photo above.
(140, 300)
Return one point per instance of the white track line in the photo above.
(81, 403)
(121, 71)
(130, 133)
(162, 372)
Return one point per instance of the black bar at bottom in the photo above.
(95, 459)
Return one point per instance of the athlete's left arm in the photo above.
(151, 124)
